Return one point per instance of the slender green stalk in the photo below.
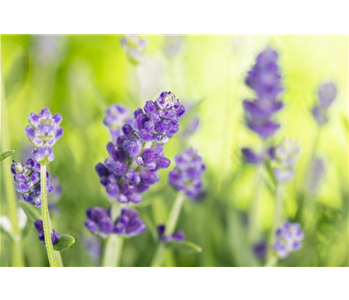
(170, 227)
(17, 253)
(46, 219)
(253, 221)
(111, 264)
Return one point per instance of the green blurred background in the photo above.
(81, 75)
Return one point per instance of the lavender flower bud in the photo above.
(159, 120)
(134, 45)
(178, 236)
(116, 117)
(260, 249)
(286, 157)
(251, 157)
(288, 239)
(27, 180)
(129, 223)
(265, 79)
(327, 93)
(187, 175)
(99, 221)
(40, 229)
(44, 129)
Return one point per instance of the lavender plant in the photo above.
(131, 168)
(265, 80)
(288, 239)
(284, 161)
(186, 178)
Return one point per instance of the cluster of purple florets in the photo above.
(134, 159)
(27, 180)
(116, 117)
(327, 93)
(134, 45)
(40, 229)
(265, 80)
(100, 222)
(187, 175)
(178, 236)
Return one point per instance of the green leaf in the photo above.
(184, 246)
(64, 242)
(32, 212)
(5, 154)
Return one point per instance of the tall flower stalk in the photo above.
(284, 159)
(132, 167)
(265, 80)
(32, 179)
(186, 178)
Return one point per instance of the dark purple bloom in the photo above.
(159, 120)
(133, 161)
(178, 236)
(99, 221)
(288, 239)
(260, 249)
(44, 129)
(116, 117)
(40, 228)
(129, 223)
(265, 79)
(187, 175)
(327, 93)
(27, 180)
(251, 157)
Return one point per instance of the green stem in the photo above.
(253, 221)
(170, 227)
(277, 221)
(17, 253)
(110, 263)
(46, 219)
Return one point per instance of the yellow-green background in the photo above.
(84, 74)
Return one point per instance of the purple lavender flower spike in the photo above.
(265, 79)
(159, 120)
(286, 157)
(327, 93)
(134, 45)
(27, 180)
(116, 117)
(178, 236)
(251, 157)
(99, 221)
(129, 223)
(44, 129)
(260, 249)
(288, 239)
(187, 175)
(137, 154)
(40, 229)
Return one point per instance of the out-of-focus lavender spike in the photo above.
(134, 46)
(327, 93)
